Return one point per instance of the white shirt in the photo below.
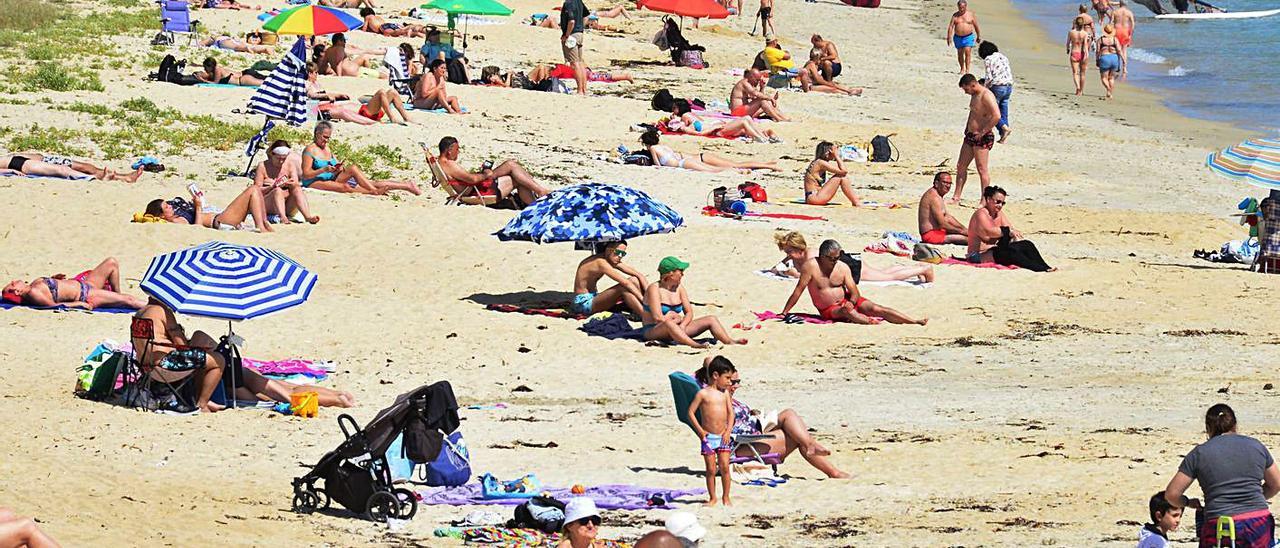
(998, 72)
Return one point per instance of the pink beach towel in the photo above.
(808, 318)
(993, 266)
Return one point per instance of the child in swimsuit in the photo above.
(711, 414)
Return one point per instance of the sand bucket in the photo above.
(305, 404)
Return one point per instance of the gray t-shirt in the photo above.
(1229, 468)
(573, 10)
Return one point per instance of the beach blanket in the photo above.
(292, 370)
(866, 204)
(612, 327)
(768, 273)
(606, 497)
(5, 305)
(408, 106)
(82, 177)
(962, 262)
(512, 538)
(535, 310)
(792, 216)
(808, 318)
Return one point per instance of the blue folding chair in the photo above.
(683, 388)
(175, 18)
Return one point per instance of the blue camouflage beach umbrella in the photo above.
(594, 212)
(222, 280)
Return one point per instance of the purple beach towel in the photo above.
(606, 497)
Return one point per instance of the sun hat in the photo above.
(578, 508)
(669, 264)
(685, 525)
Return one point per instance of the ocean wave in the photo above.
(1179, 71)
(1148, 57)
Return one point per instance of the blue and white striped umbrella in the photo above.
(283, 94)
(222, 280)
(594, 212)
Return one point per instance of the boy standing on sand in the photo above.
(979, 133)
(964, 34)
(711, 414)
(1164, 518)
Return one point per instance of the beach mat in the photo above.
(64, 308)
(606, 497)
(232, 86)
(769, 315)
(992, 266)
(84, 177)
(866, 204)
(549, 311)
(891, 283)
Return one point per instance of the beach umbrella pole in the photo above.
(254, 155)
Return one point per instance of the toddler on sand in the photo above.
(712, 416)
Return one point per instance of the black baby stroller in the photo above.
(356, 474)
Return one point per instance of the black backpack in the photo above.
(457, 72)
(882, 149)
(663, 101)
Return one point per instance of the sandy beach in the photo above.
(1033, 409)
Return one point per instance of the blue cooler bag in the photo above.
(452, 467)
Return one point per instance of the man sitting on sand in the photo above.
(828, 57)
(588, 299)
(749, 99)
(90, 289)
(936, 225)
(506, 179)
(376, 24)
(173, 356)
(338, 60)
(992, 239)
(834, 293)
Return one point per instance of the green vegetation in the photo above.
(25, 15)
(57, 77)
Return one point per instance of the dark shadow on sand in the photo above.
(523, 298)
(681, 470)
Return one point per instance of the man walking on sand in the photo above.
(1123, 21)
(572, 16)
(979, 135)
(938, 227)
(964, 34)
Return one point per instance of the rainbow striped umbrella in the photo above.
(1256, 161)
(311, 21)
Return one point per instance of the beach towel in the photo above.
(232, 86)
(535, 310)
(612, 327)
(866, 204)
(792, 216)
(5, 305)
(808, 318)
(606, 497)
(291, 368)
(512, 538)
(769, 273)
(84, 177)
(962, 262)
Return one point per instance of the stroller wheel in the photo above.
(408, 502)
(305, 502)
(323, 498)
(382, 506)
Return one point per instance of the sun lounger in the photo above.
(683, 388)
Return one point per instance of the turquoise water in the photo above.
(1221, 70)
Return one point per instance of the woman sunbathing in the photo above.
(811, 78)
(252, 45)
(90, 289)
(798, 251)
(213, 74)
(818, 190)
(277, 178)
(179, 211)
(668, 314)
(704, 161)
(787, 430)
(691, 124)
(322, 171)
(228, 5)
(431, 93)
(377, 25)
(50, 165)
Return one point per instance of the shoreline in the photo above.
(1039, 64)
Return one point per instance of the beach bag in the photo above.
(162, 39)
(97, 379)
(452, 467)
(660, 39)
(421, 444)
(526, 487)
(457, 72)
(691, 58)
(542, 512)
(882, 149)
(351, 486)
(926, 253)
(754, 192)
(662, 100)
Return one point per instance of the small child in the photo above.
(1164, 518)
(712, 416)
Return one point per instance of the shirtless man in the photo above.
(376, 24)
(964, 34)
(198, 354)
(588, 299)
(829, 62)
(798, 251)
(350, 4)
(979, 135)
(834, 293)
(501, 180)
(749, 99)
(936, 225)
(1122, 18)
(1103, 7)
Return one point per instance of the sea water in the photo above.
(1223, 69)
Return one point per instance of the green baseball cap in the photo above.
(669, 264)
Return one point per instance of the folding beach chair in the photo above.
(398, 72)
(469, 195)
(143, 374)
(1226, 530)
(175, 18)
(1267, 260)
(683, 389)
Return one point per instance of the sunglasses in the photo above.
(593, 520)
(620, 253)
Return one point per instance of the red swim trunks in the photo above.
(740, 110)
(1124, 35)
(829, 313)
(936, 236)
(484, 188)
(377, 116)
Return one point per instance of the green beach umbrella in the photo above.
(467, 7)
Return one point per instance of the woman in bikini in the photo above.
(431, 93)
(1110, 62)
(277, 178)
(178, 211)
(228, 43)
(50, 165)
(668, 314)
(703, 161)
(818, 189)
(90, 289)
(322, 171)
(213, 74)
(1079, 42)
(692, 124)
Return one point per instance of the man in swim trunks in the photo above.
(936, 225)
(749, 99)
(829, 60)
(979, 133)
(502, 180)
(964, 34)
(766, 18)
(1123, 20)
(588, 299)
(835, 294)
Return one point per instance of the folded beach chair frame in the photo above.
(140, 377)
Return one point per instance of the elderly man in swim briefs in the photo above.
(834, 293)
(588, 299)
(936, 225)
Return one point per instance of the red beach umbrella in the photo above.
(687, 8)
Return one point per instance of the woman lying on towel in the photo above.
(993, 240)
(179, 211)
(539, 79)
(90, 289)
(789, 432)
(322, 171)
(50, 165)
(277, 178)
(213, 74)
(797, 251)
(684, 121)
(668, 314)
(253, 44)
(703, 161)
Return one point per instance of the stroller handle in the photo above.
(355, 428)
